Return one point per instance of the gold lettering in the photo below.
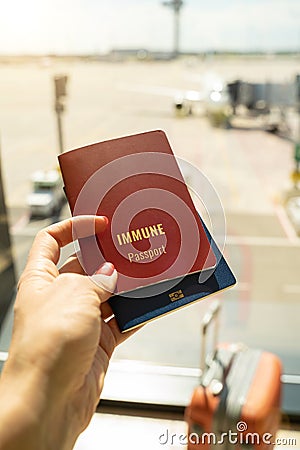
(126, 238)
(160, 228)
(151, 254)
(145, 234)
(140, 233)
(130, 256)
(136, 235)
(153, 230)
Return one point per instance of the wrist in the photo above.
(31, 417)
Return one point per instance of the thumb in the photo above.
(105, 278)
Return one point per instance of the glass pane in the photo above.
(122, 85)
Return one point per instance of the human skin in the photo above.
(63, 338)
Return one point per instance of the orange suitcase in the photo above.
(237, 403)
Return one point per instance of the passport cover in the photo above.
(154, 233)
(133, 312)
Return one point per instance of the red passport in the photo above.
(154, 232)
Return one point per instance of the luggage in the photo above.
(238, 400)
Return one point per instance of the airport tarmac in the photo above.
(249, 169)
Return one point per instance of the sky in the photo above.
(97, 26)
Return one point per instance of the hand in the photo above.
(61, 345)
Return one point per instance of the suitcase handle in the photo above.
(212, 316)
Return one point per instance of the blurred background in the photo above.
(221, 78)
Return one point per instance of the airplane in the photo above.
(224, 102)
(210, 98)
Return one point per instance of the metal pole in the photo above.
(59, 110)
(176, 32)
(60, 83)
(176, 5)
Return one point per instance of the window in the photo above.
(115, 93)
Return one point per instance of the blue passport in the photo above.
(143, 305)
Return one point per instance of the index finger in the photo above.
(45, 250)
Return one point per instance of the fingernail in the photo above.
(106, 220)
(104, 281)
(106, 269)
